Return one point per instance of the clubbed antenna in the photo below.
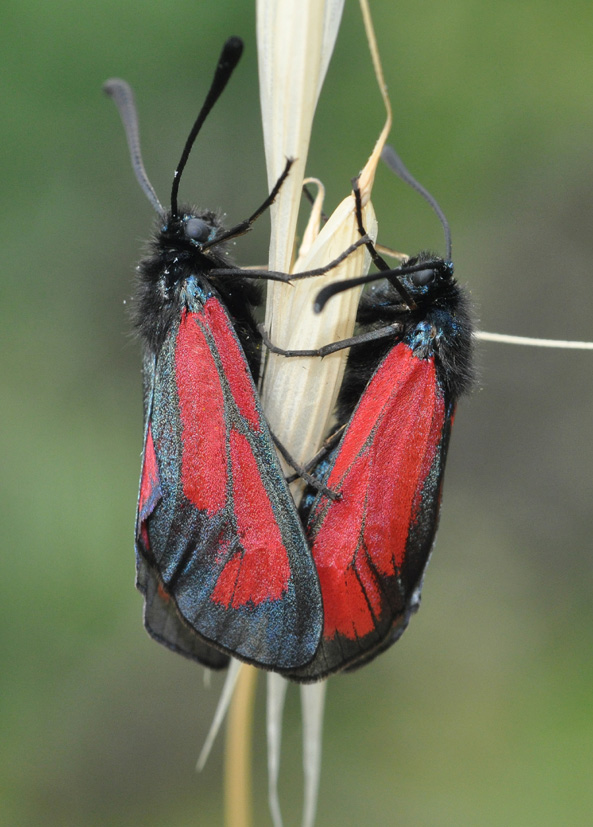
(123, 97)
(395, 163)
(336, 287)
(229, 57)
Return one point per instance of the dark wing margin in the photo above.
(161, 617)
(164, 623)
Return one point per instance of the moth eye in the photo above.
(196, 229)
(423, 277)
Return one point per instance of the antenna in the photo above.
(123, 97)
(395, 164)
(229, 57)
(336, 287)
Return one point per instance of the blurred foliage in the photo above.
(483, 713)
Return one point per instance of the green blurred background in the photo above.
(483, 713)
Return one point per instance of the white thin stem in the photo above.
(312, 702)
(221, 710)
(277, 687)
(527, 341)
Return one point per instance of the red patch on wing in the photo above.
(234, 365)
(345, 598)
(149, 483)
(260, 571)
(202, 413)
(386, 455)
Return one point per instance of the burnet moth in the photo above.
(222, 558)
(404, 375)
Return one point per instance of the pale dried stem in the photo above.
(295, 41)
(238, 753)
(299, 394)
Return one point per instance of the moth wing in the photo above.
(220, 529)
(371, 546)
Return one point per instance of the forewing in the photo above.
(161, 617)
(219, 528)
(371, 546)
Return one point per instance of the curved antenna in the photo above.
(335, 287)
(229, 57)
(123, 97)
(395, 164)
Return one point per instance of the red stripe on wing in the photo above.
(202, 414)
(150, 488)
(234, 366)
(260, 571)
(149, 481)
(382, 465)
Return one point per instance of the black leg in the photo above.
(328, 446)
(274, 275)
(303, 474)
(387, 332)
(378, 260)
(245, 226)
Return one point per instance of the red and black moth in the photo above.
(222, 558)
(371, 546)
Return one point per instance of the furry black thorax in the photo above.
(441, 325)
(172, 259)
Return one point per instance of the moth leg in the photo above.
(274, 275)
(387, 332)
(378, 260)
(303, 474)
(327, 446)
(244, 226)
